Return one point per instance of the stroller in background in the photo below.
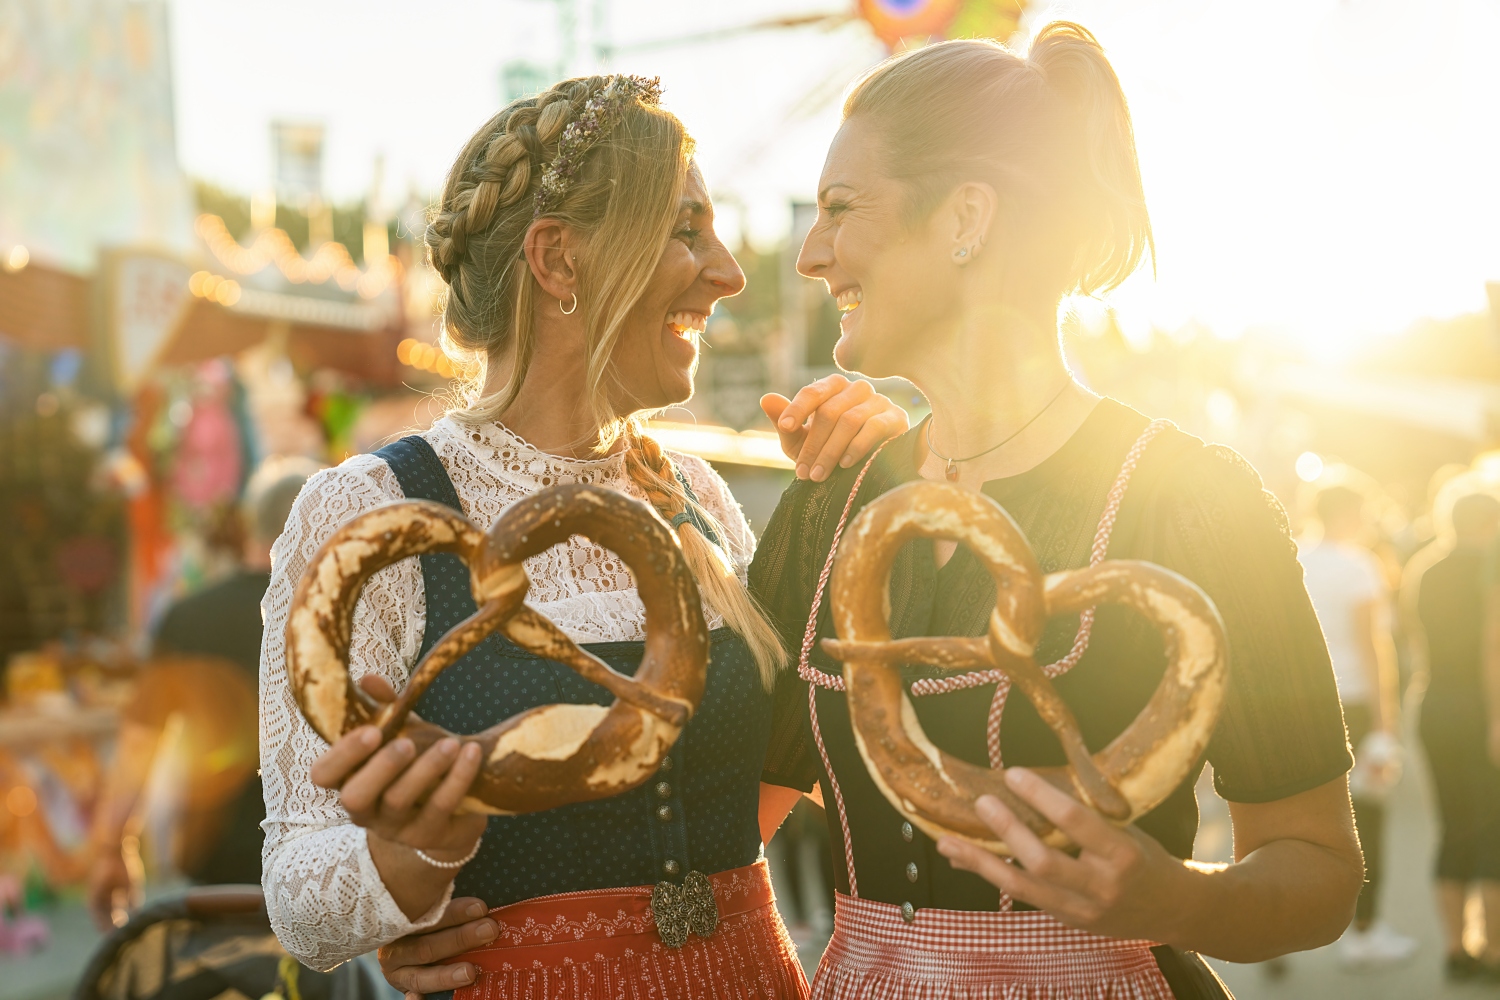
(211, 943)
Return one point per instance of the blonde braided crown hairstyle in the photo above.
(621, 198)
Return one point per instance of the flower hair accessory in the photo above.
(602, 112)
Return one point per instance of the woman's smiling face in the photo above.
(893, 278)
(657, 352)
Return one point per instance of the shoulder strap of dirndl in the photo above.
(419, 471)
(445, 580)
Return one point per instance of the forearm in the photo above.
(414, 885)
(326, 898)
(1387, 678)
(1378, 655)
(1289, 895)
(134, 750)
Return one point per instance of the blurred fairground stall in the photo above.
(158, 339)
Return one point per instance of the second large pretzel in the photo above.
(550, 755)
(935, 790)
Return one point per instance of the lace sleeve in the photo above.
(713, 493)
(324, 895)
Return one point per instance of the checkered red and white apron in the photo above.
(876, 954)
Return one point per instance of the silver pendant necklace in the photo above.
(951, 469)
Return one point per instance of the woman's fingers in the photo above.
(833, 426)
(446, 798)
(441, 943)
(840, 436)
(351, 750)
(1045, 863)
(440, 946)
(377, 687)
(415, 980)
(808, 399)
(798, 423)
(461, 910)
(1084, 826)
(363, 789)
(416, 781)
(773, 404)
(881, 426)
(1011, 879)
(347, 753)
(832, 422)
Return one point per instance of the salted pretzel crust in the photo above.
(550, 755)
(935, 790)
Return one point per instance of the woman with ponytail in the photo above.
(575, 236)
(968, 191)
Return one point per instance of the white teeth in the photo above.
(849, 299)
(687, 322)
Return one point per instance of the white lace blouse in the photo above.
(325, 898)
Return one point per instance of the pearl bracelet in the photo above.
(449, 865)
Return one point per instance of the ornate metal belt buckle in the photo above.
(686, 909)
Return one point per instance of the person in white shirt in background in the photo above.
(1353, 603)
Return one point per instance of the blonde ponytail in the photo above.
(1074, 65)
(652, 470)
(1051, 132)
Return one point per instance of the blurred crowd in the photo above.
(1411, 612)
(1406, 584)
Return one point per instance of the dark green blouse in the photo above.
(1194, 508)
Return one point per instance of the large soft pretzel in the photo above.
(936, 791)
(550, 755)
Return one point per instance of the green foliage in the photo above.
(757, 310)
(995, 19)
(233, 208)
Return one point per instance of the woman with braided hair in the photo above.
(575, 236)
(967, 192)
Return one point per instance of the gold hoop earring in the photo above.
(569, 312)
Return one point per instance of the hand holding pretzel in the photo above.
(542, 758)
(937, 792)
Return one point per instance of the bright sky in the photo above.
(1334, 173)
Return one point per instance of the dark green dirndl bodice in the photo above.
(699, 813)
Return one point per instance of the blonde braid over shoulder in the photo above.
(654, 472)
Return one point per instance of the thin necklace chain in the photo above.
(952, 463)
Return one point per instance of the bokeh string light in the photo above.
(207, 285)
(425, 357)
(274, 246)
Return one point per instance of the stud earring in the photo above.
(961, 252)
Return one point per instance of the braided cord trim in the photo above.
(817, 679)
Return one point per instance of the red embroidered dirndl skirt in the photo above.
(603, 945)
(962, 955)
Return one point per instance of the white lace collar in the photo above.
(509, 457)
